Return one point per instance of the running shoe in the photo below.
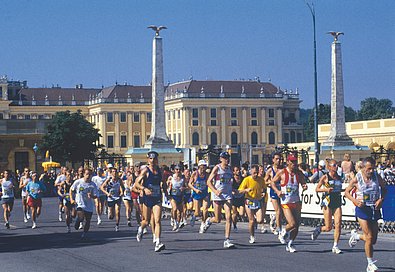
(159, 247)
(116, 228)
(272, 223)
(81, 226)
(207, 224)
(263, 229)
(60, 217)
(353, 239)
(175, 226)
(290, 249)
(27, 216)
(7, 225)
(25, 219)
(228, 244)
(139, 235)
(283, 236)
(336, 250)
(252, 240)
(276, 232)
(235, 229)
(172, 222)
(193, 219)
(201, 229)
(129, 223)
(182, 224)
(77, 224)
(34, 225)
(68, 229)
(99, 221)
(145, 231)
(372, 267)
(315, 233)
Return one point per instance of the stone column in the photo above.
(279, 125)
(117, 134)
(204, 125)
(143, 123)
(223, 126)
(187, 127)
(244, 125)
(103, 132)
(130, 128)
(263, 125)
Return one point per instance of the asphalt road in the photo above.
(50, 248)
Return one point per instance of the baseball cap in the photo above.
(202, 162)
(177, 167)
(321, 163)
(110, 166)
(292, 157)
(152, 154)
(224, 155)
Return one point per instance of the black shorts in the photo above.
(112, 203)
(85, 212)
(238, 201)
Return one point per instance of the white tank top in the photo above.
(223, 182)
(176, 186)
(290, 189)
(369, 192)
(7, 189)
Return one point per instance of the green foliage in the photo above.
(71, 138)
(373, 108)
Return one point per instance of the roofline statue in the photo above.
(335, 34)
(157, 29)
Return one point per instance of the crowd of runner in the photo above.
(235, 194)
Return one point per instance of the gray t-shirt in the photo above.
(318, 175)
(7, 189)
(82, 189)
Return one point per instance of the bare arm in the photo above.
(273, 181)
(139, 182)
(348, 190)
(322, 181)
(210, 180)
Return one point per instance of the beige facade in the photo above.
(252, 115)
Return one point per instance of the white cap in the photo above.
(202, 162)
(322, 163)
(109, 166)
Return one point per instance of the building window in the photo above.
(272, 137)
(253, 113)
(195, 122)
(195, 113)
(136, 140)
(13, 117)
(149, 117)
(271, 122)
(195, 138)
(254, 138)
(123, 117)
(27, 117)
(136, 117)
(1, 116)
(178, 114)
(233, 139)
(213, 138)
(293, 137)
(41, 116)
(233, 122)
(254, 122)
(175, 138)
(299, 137)
(110, 141)
(286, 138)
(255, 159)
(179, 138)
(168, 116)
(174, 114)
(233, 113)
(271, 113)
(110, 117)
(148, 137)
(213, 113)
(213, 122)
(123, 141)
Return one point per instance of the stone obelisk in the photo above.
(338, 135)
(158, 137)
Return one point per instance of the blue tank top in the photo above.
(153, 182)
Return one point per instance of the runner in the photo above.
(136, 193)
(59, 180)
(290, 178)
(198, 185)
(113, 188)
(261, 213)
(370, 193)
(176, 186)
(187, 205)
(252, 186)
(35, 189)
(127, 196)
(150, 182)
(238, 200)
(331, 204)
(220, 183)
(102, 197)
(275, 222)
(7, 196)
(24, 180)
(321, 171)
(85, 192)
(64, 191)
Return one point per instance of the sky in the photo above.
(98, 42)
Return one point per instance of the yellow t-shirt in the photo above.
(257, 185)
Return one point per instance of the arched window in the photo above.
(233, 139)
(254, 138)
(195, 138)
(213, 138)
(293, 137)
(272, 137)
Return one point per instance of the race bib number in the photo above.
(155, 190)
(253, 204)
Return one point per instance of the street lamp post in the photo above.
(35, 149)
(316, 146)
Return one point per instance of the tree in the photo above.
(373, 108)
(71, 138)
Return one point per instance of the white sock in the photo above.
(370, 260)
(157, 242)
(334, 244)
(140, 230)
(290, 243)
(357, 236)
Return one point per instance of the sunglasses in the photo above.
(334, 165)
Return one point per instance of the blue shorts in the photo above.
(176, 198)
(273, 194)
(187, 198)
(203, 195)
(367, 213)
(7, 200)
(150, 201)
